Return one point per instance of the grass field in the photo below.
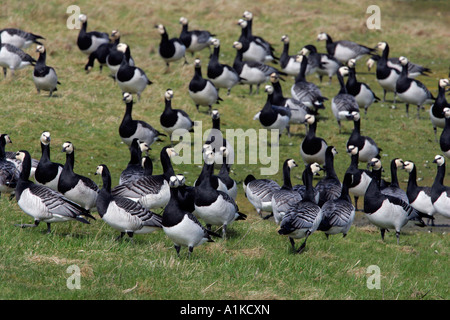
(255, 262)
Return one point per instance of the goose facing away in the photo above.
(259, 193)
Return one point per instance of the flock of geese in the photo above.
(59, 194)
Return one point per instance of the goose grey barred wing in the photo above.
(355, 47)
(266, 69)
(148, 218)
(307, 91)
(23, 56)
(303, 217)
(284, 199)
(264, 188)
(202, 36)
(328, 191)
(336, 213)
(282, 110)
(90, 184)
(228, 198)
(139, 188)
(397, 201)
(346, 102)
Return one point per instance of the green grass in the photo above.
(255, 262)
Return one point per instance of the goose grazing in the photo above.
(302, 219)
(285, 197)
(419, 196)
(444, 139)
(272, 116)
(361, 178)
(221, 75)
(202, 91)
(42, 203)
(102, 52)
(134, 169)
(329, 187)
(364, 96)
(180, 225)
(343, 104)
(78, 188)
(122, 214)
(9, 174)
(44, 77)
(174, 119)
(306, 92)
(338, 214)
(437, 116)
(19, 38)
(344, 50)
(313, 148)
(288, 62)
(170, 49)
(367, 147)
(13, 58)
(150, 191)
(385, 211)
(194, 40)
(440, 194)
(412, 91)
(47, 172)
(130, 78)
(212, 206)
(251, 72)
(259, 193)
(115, 57)
(88, 42)
(216, 140)
(130, 128)
(386, 74)
(327, 65)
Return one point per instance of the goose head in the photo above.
(446, 112)
(183, 21)
(122, 47)
(115, 34)
(127, 97)
(299, 58)
(439, 160)
(40, 48)
(381, 45)
(181, 179)
(352, 150)
(370, 63)
(315, 168)
(67, 147)
(197, 63)
(375, 163)
(285, 39)
(242, 23)
(310, 119)
(398, 163)
(171, 152)
(351, 63)
(82, 18)
(208, 155)
(237, 45)
(268, 89)
(322, 36)
(45, 138)
(247, 15)
(224, 151)
(144, 146)
(99, 170)
(403, 61)
(215, 114)
(168, 95)
(444, 83)
(343, 71)
(173, 182)
(408, 166)
(274, 77)
(20, 155)
(215, 42)
(291, 163)
(161, 29)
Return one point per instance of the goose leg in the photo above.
(268, 216)
(291, 240)
(177, 248)
(303, 246)
(356, 203)
(190, 250)
(397, 234)
(35, 224)
(49, 228)
(382, 233)
(407, 109)
(120, 236)
(384, 95)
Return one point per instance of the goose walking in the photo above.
(88, 42)
(115, 57)
(288, 63)
(194, 40)
(386, 74)
(272, 116)
(344, 50)
(47, 172)
(13, 58)
(343, 104)
(313, 148)
(44, 77)
(102, 52)
(444, 139)
(170, 49)
(19, 38)
(440, 193)
(172, 120)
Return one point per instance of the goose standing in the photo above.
(344, 50)
(42, 203)
(228, 183)
(412, 91)
(172, 49)
(437, 115)
(302, 219)
(269, 49)
(329, 187)
(367, 147)
(338, 214)
(134, 169)
(221, 75)
(288, 62)
(343, 104)
(19, 38)
(194, 40)
(47, 172)
(259, 193)
(102, 52)
(44, 77)
(150, 191)
(272, 116)
(122, 214)
(13, 58)
(444, 139)
(327, 65)
(130, 128)
(88, 42)
(9, 174)
(440, 194)
(130, 78)
(313, 148)
(115, 57)
(361, 178)
(174, 119)
(202, 91)
(78, 188)
(386, 75)
(181, 226)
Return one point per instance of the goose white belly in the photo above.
(226, 80)
(48, 82)
(82, 195)
(390, 83)
(156, 200)
(33, 206)
(361, 188)
(217, 213)
(442, 205)
(197, 46)
(254, 53)
(96, 42)
(388, 217)
(423, 203)
(9, 59)
(120, 220)
(182, 123)
(292, 68)
(252, 75)
(208, 96)
(14, 40)
(365, 97)
(344, 54)
(368, 152)
(135, 85)
(415, 95)
(186, 233)
(437, 122)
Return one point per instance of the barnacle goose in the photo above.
(221, 75)
(361, 177)
(186, 195)
(440, 193)
(78, 188)
(344, 50)
(412, 91)
(194, 40)
(13, 58)
(419, 196)
(444, 139)
(122, 214)
(327, 65)
(248, 16)
(134, 169)
(47, 172)
(306, 92)
(19, 38)
(272, 116)
(9, 173)
(88, 42)
(285, 197)
(215, 140)
(343, 104)
(102, 52)
(303, 218)
(338, 214)
(313, 148)
(214, 207)
(386, 74)
(437, 108)
(180, 225)
(202, 91)
(150, 191)
(288, 63)
(229, 185)
(259, 192)
(363, 94)
(174, 119)
(44, 77)
(251, 72)
(329, 187)
(130, 128)
(367, 147)
(172, 49)
(130, 78)
(41, 202)
(11, 157)
(115, 57)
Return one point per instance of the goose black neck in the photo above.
(135, 152)
(412, 181)
(329, 164)
(357, 126)
(301, 75)
(26, 167)
(312, 129)
(394, 178)
(405, 70)
(148, 166)
(440, 175)
(166, 164)
(216, 123)
(168, 105)
(277, 98)
(70, 161)
(106, 179)
(42, 58)
(341, 82)
(385, 54)
(2, 148)
(287, 184)
(345, 186)
(198, 72)
(45, 148)
(128, 110)
(307, 177)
